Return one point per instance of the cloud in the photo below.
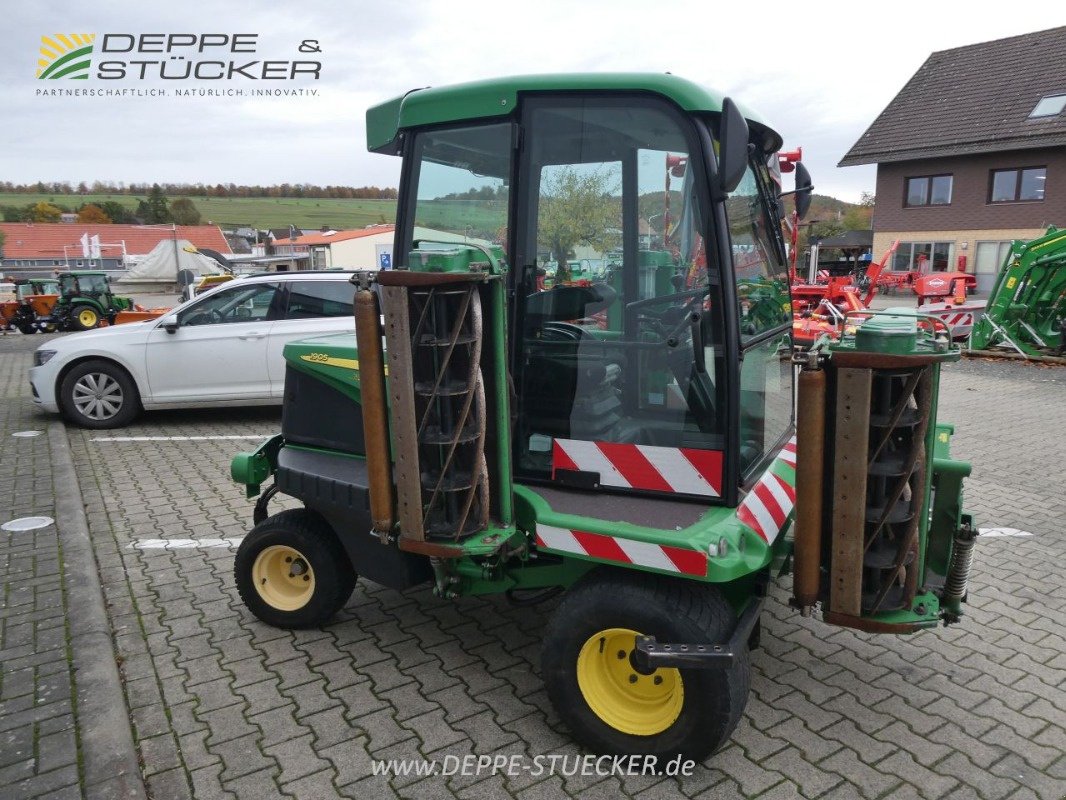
(821, 76)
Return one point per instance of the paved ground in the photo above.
(224, 706)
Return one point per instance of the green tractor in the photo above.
(474, 437)
(1026, 309)
(85, 301)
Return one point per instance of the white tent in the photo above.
(161, 266)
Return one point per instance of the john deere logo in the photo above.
(65, 55)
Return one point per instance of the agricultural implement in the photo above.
(821, 308)
(1026, 309)
(944, 295)
(34, 298)
(472, 438)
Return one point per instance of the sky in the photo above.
(819, 72)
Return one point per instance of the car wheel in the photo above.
(292, 572)
(27, 327)
(613, 708)
(84, 318)
(99, 394)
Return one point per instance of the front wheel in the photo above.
(292, 572)
(613, 708)
(99, 394)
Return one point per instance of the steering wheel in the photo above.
(671, 322)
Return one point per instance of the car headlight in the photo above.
(42, 357)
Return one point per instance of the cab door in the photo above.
(618, 357)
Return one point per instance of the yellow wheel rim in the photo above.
(87, 317)
(283, 578)
(642, 705)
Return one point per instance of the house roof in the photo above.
(973, 99)
(328, 237)
(849, 239)
(47, 240)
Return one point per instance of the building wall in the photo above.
(969, 209)
(966, 243)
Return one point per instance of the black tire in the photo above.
(26, 327)
(673, 610)
(79, 318)
(113, 390)
(292, 537)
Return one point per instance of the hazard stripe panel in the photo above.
(770, 501)
(622, 551)
(673, 470)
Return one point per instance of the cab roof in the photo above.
(498, 97)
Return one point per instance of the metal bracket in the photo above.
(648, 655)
(364, 279)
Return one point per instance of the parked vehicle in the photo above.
(649, 468)
(221, 348)
(1026, 309)
(85, 301)
(33, 298)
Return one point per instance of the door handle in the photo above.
(252, 335)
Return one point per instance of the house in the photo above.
(361, 248)
(36, 247)
(970, 154)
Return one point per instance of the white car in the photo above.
(222, 348)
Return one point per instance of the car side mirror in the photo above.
(171, 326)
(733, 150)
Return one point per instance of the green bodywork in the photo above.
(1027, 305)
(88, 288)
(481, 100)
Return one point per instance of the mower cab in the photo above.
(627, 435)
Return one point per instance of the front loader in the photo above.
(629, 444)
(1026, 309)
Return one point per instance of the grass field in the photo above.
(261, 212)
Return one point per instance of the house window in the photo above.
(1049, 106)
(922, 256)
(930, 190)
(1017, 185)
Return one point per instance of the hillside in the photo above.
(280, 212)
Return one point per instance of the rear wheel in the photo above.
(83, 318)
(292, 572)
(99, 394)
(609, 705)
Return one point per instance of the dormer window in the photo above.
(1049, 106)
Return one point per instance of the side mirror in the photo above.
(733, 151)
(170, 326)
(804, 190)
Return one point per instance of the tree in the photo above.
(578, 208)
(116, 212)
(153, 210)
(44, 212)
(183, 212)
(93, 214)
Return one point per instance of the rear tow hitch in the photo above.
(648, 655)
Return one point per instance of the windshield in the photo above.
(758, 262)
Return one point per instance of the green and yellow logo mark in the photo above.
(65, 55)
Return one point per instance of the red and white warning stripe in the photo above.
(677, 470)
(623, 551)
(770, 501)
